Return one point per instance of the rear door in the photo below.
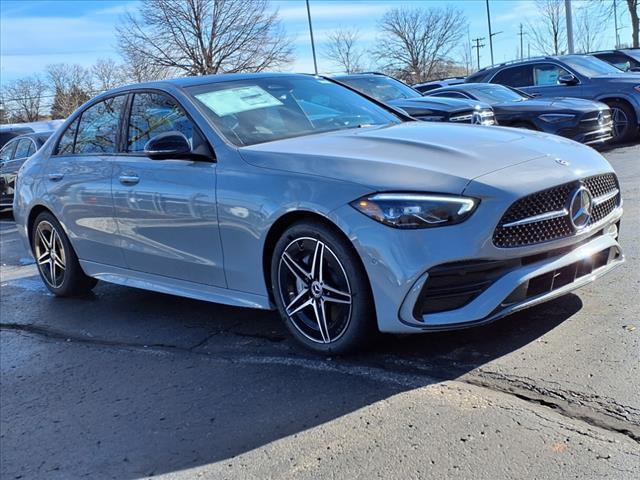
(79, 181)
(166, 209)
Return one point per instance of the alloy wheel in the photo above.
(620, 121)
(50, 254)
(315, 290)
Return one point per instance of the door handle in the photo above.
(129, 179)
(56, 177)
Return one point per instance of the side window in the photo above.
(68, 138)
(22, 150)
(98, 128)
(6, 153)
(32, 149)
(153, 114)
(617, 60)
(515, 76)
(546, 74)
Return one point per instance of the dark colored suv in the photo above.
(581, 76)
(626, 59)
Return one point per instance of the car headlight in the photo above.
(556, 117)
(415, 210)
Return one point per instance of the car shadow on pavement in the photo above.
(143, 383)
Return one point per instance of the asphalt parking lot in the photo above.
(126, 383)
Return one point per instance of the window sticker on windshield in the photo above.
(236, 100)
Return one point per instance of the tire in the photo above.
(339, 292)
(56, 260)
(625, 125)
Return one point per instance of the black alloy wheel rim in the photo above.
(620, 121)
(315, 290)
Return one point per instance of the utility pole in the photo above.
(491, 35)
(521, 46)
(569, 17)
(615, 22)
(528, 50)
(478, 46)
(313, 46)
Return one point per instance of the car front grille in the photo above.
(594, 121)
(482, 117)
(544, 216)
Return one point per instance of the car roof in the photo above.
(39, 136)
(184, 82)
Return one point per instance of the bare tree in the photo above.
(138, 69)
(342, 50)
(548, 34)
(107, 74)
(414, 41)
(72, 85)
(23, 98)
(199, 37)
(635, 22)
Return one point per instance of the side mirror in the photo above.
(568, 79)
(168, 145)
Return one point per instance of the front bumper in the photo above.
(522, 284)
(398, 263)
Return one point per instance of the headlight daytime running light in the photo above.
(416, 210)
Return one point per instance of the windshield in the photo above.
(590, 66)
(496, 93)
(381, 88)
(258, 110)
(635, 53)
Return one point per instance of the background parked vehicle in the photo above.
(582, 120)
(397, 94)
(12, 156)
(581, 76)
(626, 59)
(443, 82)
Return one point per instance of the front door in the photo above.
(166, 209)
(79, 182)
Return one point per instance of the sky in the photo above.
(35, 33)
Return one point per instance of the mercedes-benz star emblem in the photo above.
(600, 117)
(580, 208)
(476, 119)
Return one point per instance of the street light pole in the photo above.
(313, 46)
(615, 22)
(569, 17)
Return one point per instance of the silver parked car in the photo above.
(293, 192)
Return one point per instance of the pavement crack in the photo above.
(60, 335)
(566, 403)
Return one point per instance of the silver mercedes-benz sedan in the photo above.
(293, 192)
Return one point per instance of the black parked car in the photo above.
(580, 76)
(12, 156)
(585, 121)
(397, 94)
(626, 59)
(432, 85)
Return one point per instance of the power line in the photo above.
(478, 46)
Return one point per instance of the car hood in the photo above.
(632, 78)
(560, 104)
(434, 104)
(414, 156)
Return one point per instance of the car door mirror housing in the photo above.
(168, 145)
(568, 79)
